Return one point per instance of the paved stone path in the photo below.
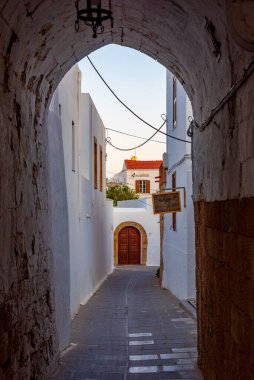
(131, 329)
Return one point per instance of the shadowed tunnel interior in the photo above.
(207, 45)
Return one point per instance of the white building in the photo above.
(136, 214)
(178, 241)
(80, 211)
(141, 176)
(136, 228)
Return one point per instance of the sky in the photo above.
(140, 82)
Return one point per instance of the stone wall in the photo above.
(225, 262)
(27, 327)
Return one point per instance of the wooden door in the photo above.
(134, 245)
(129, 246)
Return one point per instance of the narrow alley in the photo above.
(131, 329)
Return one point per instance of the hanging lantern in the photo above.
(93, 15)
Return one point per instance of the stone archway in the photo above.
(38, 46)
(143, 240)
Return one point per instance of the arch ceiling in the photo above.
(40, 39)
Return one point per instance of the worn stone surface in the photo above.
(131, 329)
(38, 44)
(225, 271)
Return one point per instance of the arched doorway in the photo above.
(123, 240)
(129, 246)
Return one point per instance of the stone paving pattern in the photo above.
(105, 333)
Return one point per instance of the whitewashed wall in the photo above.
(89, 214)
(141, 211)
(96, 212)
(60, 225)
(133, 175)
(178, 246)
(130, 176)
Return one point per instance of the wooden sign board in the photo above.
(166, 202)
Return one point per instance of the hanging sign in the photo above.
(166, 202)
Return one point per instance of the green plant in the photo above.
(121, 193)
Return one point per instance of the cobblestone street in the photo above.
(131, 329)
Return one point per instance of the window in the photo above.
(95, 162)
(73, 146)
(174, 101)
(59, 110)
(101, 173)
(174, 189)
(142, 186)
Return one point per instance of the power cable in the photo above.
(108, 140)
(138, 137)
(129, 184)
(130, 110)
(236, 86)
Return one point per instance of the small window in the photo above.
(101, 173)
(174, 101)
(174, 189)
(59, 110)
(142, 186)
(73, 146)
(95, 162)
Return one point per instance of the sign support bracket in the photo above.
(181, 188)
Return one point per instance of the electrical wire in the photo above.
(128, 183)
(130, 110)
(138, 137)
(108, 140)
(238, 84)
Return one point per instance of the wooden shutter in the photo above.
(95, 162)
(174, 181)
(73, 147)
(147, 186)
(174, 213)
(174, 101)
(137, 186)
(101, 177)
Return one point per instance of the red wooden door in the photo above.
(129, 246)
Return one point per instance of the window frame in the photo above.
(174, 224)
(95, 164)
(73, 142)
(101, 169)
(174, 102)
(141, 183)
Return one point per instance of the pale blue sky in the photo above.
(141, 83)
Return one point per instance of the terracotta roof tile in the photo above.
(136, 164)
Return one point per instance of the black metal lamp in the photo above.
(93, 15)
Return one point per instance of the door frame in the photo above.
(135, 233)
(143, 240)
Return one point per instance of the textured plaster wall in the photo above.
(94, 255)
(141, 212)
(136, 175)
(87, 214)
(60, 229)
(38, 45)
(179, 245)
